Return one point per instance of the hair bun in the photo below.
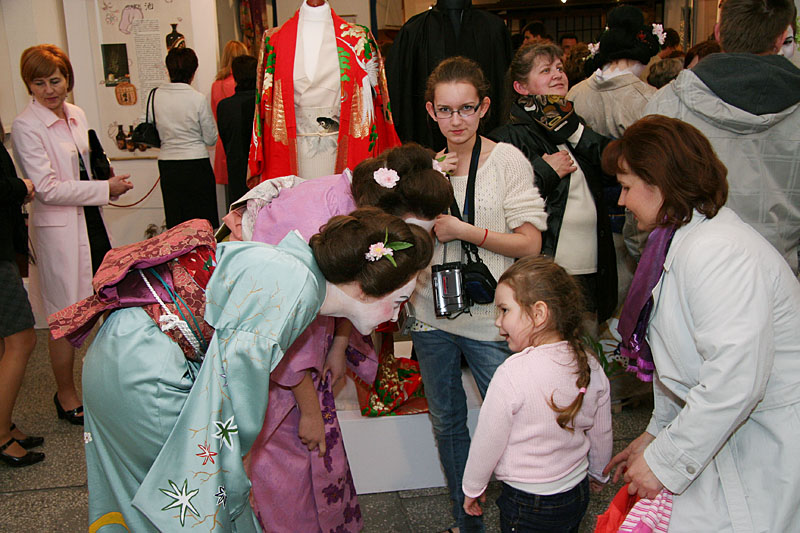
(628, 18)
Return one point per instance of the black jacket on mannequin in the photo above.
(450, 28)
(527, 135)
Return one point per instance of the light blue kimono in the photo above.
(164, 437)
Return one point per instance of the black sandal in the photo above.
(73, 416)
(29, 441)
(28, 459)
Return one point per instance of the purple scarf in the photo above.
(639, 304)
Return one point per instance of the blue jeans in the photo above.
(439, 355)
(522, 512)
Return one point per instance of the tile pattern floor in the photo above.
(52, 496)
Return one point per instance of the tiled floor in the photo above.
(52, 496)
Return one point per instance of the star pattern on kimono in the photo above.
(222, 496)
(225, 430)
(182, 499)
(206, 453)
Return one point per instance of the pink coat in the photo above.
(46, 149)
(220, 90)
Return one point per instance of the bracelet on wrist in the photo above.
(485, 234)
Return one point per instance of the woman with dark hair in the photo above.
(17, 337)
(713, 319)
(166, 436)
(566, 164)
(186, 127)
(613, 96)
(68, 233)
(300, 453)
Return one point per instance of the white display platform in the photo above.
(393, 453)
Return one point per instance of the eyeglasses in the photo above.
(464, 111)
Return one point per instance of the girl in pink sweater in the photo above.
(545, 424)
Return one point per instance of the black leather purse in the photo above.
(98, 161)
(146, 132)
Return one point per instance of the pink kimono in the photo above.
(294, 489)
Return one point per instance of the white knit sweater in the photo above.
(505, 198)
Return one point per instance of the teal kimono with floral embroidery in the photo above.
(165, 437)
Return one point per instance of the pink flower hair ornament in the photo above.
(386, 249)
(386, 177)
(437, 167)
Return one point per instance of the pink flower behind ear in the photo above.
(386, 177)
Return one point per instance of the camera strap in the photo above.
(469, 201)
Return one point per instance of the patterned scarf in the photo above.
(639, 303)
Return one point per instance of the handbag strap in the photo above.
(151, 104)
(469, 201)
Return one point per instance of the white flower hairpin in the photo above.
(658, 31)
(386, 177)
(593, 49)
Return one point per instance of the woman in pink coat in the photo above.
(223, 87)
(68, 234)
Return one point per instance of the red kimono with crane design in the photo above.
(365, 129)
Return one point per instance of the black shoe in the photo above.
(72, 415)
(28, 459)
(28, 442)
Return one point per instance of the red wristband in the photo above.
(486, 234)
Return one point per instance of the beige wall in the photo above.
(25, 23)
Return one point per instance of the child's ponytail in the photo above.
(538, 279)
(567, 414)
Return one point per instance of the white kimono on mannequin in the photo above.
(317, 91)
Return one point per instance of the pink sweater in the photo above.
(518, 437)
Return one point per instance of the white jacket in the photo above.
(761, 150)
(725, 337)
(185, 123)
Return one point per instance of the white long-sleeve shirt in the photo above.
(518, 437)
(185, 123)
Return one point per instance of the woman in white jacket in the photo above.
(186, 127)
(719, 310)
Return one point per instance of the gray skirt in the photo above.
(15, 310)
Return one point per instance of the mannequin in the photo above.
(323, 102)
(316, 90)
(450, 28)
(455, 11)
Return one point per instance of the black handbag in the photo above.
(479, 283)
(146, 132)
(98, 161)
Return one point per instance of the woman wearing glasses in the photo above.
(508, 220)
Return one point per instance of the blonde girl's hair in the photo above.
(232, 50)
(539, 279)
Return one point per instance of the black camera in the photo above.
(448, 290)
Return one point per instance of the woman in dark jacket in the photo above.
(566, 159)
(17, 337)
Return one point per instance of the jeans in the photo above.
(439, 356)
(522, 512)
